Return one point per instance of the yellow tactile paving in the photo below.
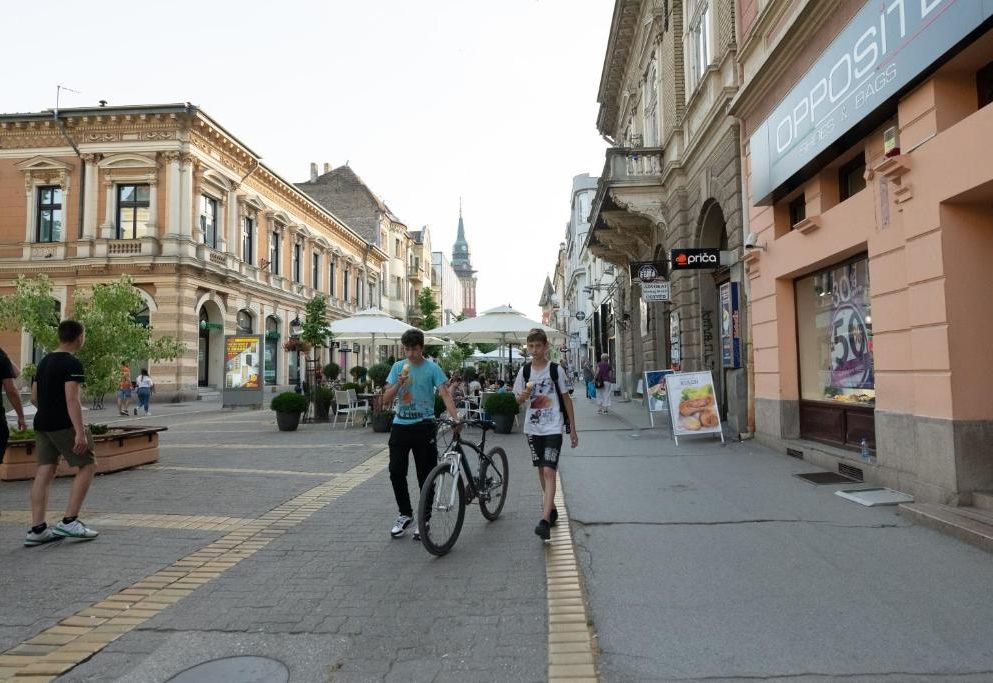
(237, 470)
(76, 638)
(316, 447)
(571, 653)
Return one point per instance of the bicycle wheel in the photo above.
(441, 509)
(493, 481)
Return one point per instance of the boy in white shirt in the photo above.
(548, 401)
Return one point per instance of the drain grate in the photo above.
(794, 453)
(850, 471)
(821, 478)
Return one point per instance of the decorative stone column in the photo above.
(173, 194)
(108, 230)
(90, 212)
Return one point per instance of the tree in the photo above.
(316, 330)
(429, 309)
(107, 311)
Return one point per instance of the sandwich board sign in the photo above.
(655, 393)
(693, 404)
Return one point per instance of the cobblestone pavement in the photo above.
(309, 576)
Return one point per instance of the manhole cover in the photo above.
(235, 670)
(826, 478)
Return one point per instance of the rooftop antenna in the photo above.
(58, 92)
(460, 206)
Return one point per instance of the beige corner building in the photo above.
(866, 131)
(671, 179)
(217, 242)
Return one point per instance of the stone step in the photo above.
(966, 524)
(982, 500)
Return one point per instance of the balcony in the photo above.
(628, 205)
(133, 248)
(414, 273)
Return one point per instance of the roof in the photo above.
(342, 191)
(417, 236)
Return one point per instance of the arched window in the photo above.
(245, 323)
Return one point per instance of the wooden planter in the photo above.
(120, 449)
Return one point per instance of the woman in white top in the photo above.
(145, 386)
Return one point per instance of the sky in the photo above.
(493, 101)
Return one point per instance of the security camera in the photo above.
(751, 242)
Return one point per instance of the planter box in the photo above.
(123, 448)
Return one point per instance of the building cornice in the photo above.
(623, 27)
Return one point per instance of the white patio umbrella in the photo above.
(370, 326)
(500, 325)
(499, 353)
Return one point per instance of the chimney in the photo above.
(313, 172)
(327, 167)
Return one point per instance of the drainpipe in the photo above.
(747, 296)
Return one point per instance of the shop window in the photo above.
(851, 177)
(984, 84)
(798, 210)
(834, 335)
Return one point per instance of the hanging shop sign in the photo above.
(243, 373)
(693, 404)
(730, 326)
(647, 271)
(881, 52)
(659, 290)
(695, 259)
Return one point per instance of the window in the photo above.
(271, 357)
(248, 240)
(133, 214)
(984, 84)
(208, 220)
(851, 177)
(315, 271)
(396, 248)
(345, 283)
(49, 214)
(700, 38)
(398, 289)
(296, 262)
(244, 322)
(798, 210)
(274, 248)
(372, 293)
(331, 283)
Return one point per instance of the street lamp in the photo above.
(295, 329)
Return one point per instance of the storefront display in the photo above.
(834, 335)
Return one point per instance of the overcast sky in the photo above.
(427, 100)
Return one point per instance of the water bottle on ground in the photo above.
(866, 455)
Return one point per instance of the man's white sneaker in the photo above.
(400, 526)
(45, 536)
(74, 529)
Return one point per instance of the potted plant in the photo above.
(294, 344)
(358, 373)
(288, 406)
(323, 401)
(502, 408)
(331, 371)
(378, 373)
(382, 420)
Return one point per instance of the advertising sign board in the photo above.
(647, 271)
(659, 290)
(695, 259)
(730, 326)
(655, 394)
(243, 371)
(693, 404)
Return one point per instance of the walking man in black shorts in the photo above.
(8, 373)
(59, 430)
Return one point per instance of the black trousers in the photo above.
(419, 438)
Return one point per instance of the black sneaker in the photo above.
(544, 529)
(554, 517)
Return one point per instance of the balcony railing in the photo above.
(633, 165)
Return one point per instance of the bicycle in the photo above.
(451, 486)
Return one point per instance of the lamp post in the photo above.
(295, 329)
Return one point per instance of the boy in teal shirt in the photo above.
(413, 382)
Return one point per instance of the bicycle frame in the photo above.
(459, 466)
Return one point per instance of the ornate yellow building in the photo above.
(217, 242)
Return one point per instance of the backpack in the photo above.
(553, 371)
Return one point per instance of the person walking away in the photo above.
(542, 385)
(59, 431)
(588, 380)
(124, 390)
(603, 380)
(412, 383)
(8, 373)
(145, 388)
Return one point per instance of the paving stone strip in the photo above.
(156, 521)
(571, 653)
(75, 639)
(239, 470)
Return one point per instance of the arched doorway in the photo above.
(271, 348)
(713, 235)
(210, 333)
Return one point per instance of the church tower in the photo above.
(462, 266)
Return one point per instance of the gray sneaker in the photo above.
(74, 529)
(45, 536)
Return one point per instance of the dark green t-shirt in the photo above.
(54, 371)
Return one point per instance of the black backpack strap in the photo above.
(553, 372)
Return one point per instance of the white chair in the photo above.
(480, 410)
(360, 407)
(345, 407)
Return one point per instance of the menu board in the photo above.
(242, 363)
(693, 404)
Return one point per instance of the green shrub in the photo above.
(331, 371)
(358, 372)
(289, 402)
(323, 398)
(501, 404)
(98, 429)
(18, 435)
(378, 373)
(351, 385)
